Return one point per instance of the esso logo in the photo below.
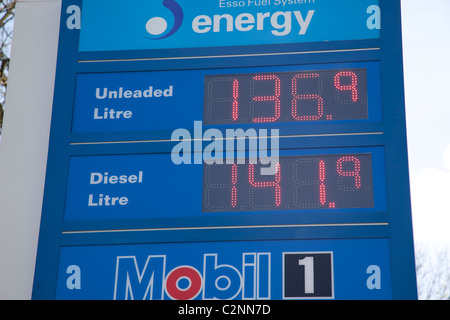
(158, 26)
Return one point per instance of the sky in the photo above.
(426, 45)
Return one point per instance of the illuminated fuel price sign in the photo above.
(286, 97)
(301, 182)
(124, 219)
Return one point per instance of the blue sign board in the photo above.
(152, 186)
(260, 270)
(162, 100)
(169, 24)
(219, 149)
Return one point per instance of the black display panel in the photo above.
(302, 182)
(322, 95)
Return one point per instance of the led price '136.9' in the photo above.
(322, 95)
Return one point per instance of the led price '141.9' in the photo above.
(322, 95)
(301, 182)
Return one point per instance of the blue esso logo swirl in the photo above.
(158, 26)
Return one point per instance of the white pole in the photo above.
(24, 143)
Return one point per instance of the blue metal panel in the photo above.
(340, 269)
(186, 104)
(383, 232)
(180, 24)
(171, 99)
(150, 186)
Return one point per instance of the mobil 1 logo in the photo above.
(308, 275)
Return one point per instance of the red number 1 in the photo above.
(322, 189)
(233, 188)
(235, 110)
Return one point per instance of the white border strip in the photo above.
(232, 55)
(378, 224)
(246, 137)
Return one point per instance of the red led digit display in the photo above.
(305, 96)
(301, 182)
